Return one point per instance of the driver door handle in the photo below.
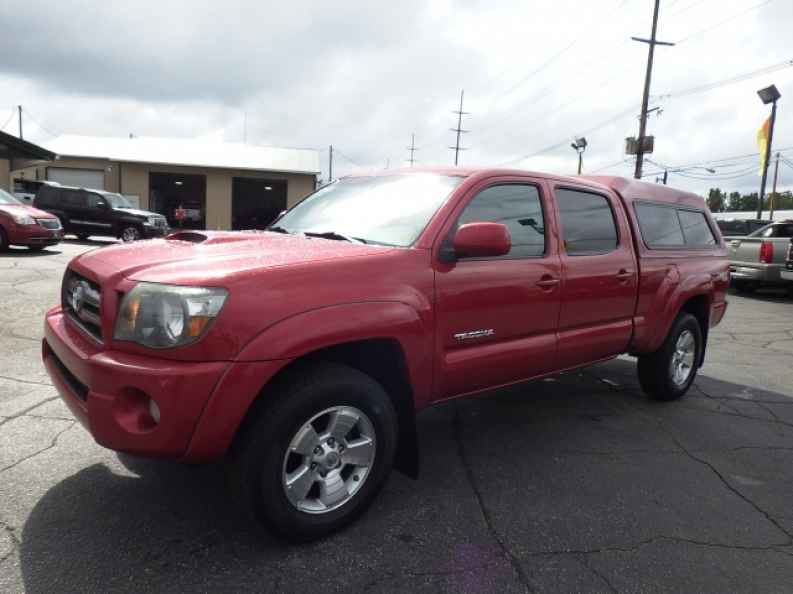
(624, 275)
(547, 282)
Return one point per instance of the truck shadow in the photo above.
(155, 526)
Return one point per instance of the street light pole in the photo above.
(767, 158)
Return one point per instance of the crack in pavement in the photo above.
(23, 381)
(52, 444)
(15, 542)
(513, 560)
(632, 548)
(584, 560)
(25, 411)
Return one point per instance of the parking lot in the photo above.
(577, 483)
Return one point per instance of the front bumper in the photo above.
(109, 391)
(150, 231)
(34, 235)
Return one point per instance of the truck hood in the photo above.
(213, 258)
(23, 209)
(137, 212)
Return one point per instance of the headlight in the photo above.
(152, 220)
(23, 219)
(164, 316)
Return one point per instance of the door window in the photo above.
(94, 200)
(659, 225)
(696, 229)
(517, 206)
(588, 225)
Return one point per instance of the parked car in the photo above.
(758, 259)
(303, 353)
(26, 226)
(736, 227)
(86, 212)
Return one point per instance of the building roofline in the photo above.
(27, 150)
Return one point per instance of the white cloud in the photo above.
(364, 76)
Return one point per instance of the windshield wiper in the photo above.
(334, 235)
(277, 229)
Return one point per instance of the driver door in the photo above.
(497, 317)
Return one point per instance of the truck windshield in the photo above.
(6, 198)
(117, 201)
(386, 210)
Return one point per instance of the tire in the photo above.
(260, 463)
(656, 371)
(130, 233)
(3, 240)
(82, 236)
(36, 248)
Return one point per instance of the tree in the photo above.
(716, 200)
(735, 201)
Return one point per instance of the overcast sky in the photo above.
(365, 75)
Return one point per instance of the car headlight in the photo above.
(152, 220)
(164, 316)
(23, 219)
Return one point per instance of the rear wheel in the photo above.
(310, 461)
(3, 240)
(36, 248)
(82, 236)
(668, 373)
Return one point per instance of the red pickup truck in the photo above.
(303, 353)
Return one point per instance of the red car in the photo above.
(302, 354)
(24, 225)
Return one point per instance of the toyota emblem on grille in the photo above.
(78, 295)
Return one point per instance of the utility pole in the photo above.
(330, 163)
(652, 42)
(412, 148)
(772, 198)
(19, 110)
(460, 113)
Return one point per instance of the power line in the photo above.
(26, 111)
(338, 150)
(687, 8)
(724, 22)
(10, 117)
(724, 82)
(557, 55)
(622, 161)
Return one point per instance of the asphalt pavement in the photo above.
(576, 483)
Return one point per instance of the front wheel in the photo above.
(668, 373)
(312, 456)
(130, 233)
(3, 240)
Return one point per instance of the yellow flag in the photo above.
(762, 142)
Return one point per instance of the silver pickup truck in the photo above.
(759, 258)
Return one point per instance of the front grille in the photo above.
(49, 223)
(81, 299)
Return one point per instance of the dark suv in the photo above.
(85, 212)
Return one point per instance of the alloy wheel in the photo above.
(329, 459)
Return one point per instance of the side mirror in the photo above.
(482, 240)
(102, 204)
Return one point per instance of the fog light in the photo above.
(154, 411)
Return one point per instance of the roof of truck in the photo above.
(630, 189)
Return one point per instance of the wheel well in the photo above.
(699, 307)
(383, 360)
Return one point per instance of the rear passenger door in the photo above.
(599, 276)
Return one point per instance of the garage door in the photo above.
(82, 178)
